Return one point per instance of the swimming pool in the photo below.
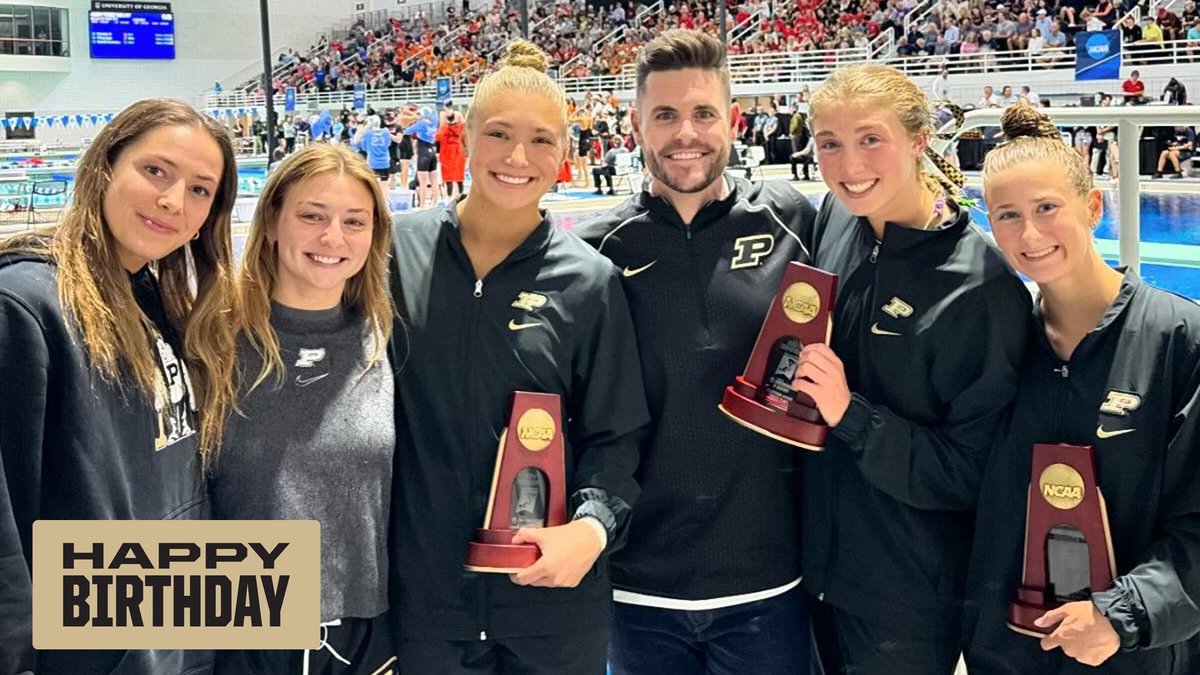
(1170, 222)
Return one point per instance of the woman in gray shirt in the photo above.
(314, 434)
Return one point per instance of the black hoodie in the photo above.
(74, 446)
(931, 327)
(550, 318)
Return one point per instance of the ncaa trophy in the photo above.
(1068, 548)
(528, 485)
(762, 398)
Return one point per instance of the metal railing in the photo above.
(882, 47)
(1129, 121)
(751, 69)
(745, 27)
(918, 14)
(1170, 53)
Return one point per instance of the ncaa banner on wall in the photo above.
(1098, 55)
(443, 90)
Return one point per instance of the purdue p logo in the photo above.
(309, 357)
(898, 308)
(1120, 403)
(749, 251)
(529, 301)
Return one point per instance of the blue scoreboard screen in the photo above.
(132, 35)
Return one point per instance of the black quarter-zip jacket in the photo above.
(1131, 390)
(931, 326)
(550, 318)
(719, 509)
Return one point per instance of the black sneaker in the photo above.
(1158, 174)
(612, 192)
(1177, 175)
(598, 192)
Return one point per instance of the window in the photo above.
(27, 30)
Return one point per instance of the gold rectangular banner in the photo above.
(166, 584)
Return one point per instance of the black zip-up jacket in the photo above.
(930, 326)
(550, 318)
(73, 446)
(1131, 390)
(719, 509)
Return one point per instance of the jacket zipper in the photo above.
(875, 252)
(701, 305)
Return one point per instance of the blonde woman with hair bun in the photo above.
(929, 327)
(496, 299)
(1113, 364)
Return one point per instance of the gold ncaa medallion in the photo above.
(535, 429)
(801, 302)
(1061, 486)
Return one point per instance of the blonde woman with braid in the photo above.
(116, 357)
(314, 435)
(496, 299)
(929, 327)
(1114, 364)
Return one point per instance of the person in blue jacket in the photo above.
(375, 141)
(424, 130)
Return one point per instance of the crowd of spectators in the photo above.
(588, 39)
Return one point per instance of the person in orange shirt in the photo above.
(452, 155)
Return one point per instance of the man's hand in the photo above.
(568, 552)
(1083, 633)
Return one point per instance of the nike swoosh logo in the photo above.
(633, 272)
(302, 381)
(1101, 433)
(879, 331)
(513, 325)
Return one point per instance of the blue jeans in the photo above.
(767, 637)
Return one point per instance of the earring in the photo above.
(196, 236)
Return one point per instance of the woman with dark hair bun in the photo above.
(1114, 364)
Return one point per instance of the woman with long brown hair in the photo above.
(314, 435)
(116, 355)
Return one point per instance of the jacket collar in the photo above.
(899, 237)
(712, 212)
(538, 239)
(1130, 283)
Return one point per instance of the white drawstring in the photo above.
(324, 645)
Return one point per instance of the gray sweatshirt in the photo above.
(318, 446)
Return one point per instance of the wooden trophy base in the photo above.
(1029, 606)
(799, 426)
(493, 552)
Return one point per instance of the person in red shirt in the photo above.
(1134, 88)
